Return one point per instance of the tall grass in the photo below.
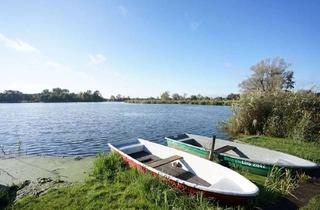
(279, 114)
(281, 181)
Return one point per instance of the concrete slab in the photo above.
(17, 170)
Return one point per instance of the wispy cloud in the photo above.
(54, 64)
(194, 25)
(66, 69)
(123, 11)
(97, 59)
(17, 44)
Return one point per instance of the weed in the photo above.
(281, 181)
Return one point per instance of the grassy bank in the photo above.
(113, 185)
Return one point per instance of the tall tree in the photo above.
(176, 96)
(269, 75)
(165, 95)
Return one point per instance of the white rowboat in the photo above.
(187, 172)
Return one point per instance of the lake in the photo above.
(82, 129)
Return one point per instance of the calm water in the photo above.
(86, 128)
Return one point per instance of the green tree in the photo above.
(165, 95)
(112, 98)
(176, 96)
(269, 75)
(233, 96)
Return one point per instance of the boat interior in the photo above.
(168, 166)
(187, 167)
(207, 144)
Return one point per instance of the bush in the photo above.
(107, 166)
(279, 114)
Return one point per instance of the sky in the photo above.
(142, 48)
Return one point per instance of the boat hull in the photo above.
(182, 187)
(251, 166)
(228, 161)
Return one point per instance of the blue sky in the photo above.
(141, 48)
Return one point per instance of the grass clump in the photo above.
(113, 185)
(280, 181)
(107, 167)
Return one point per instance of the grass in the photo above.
(303, 149)
(281, 181)
(114, 186)
(313, 204)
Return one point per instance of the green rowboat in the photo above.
(255, 159)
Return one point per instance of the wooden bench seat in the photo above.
(228, 148)
(224, 149)
(164, 166)
(164, 161)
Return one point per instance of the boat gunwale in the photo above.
(181, 142)
(183, 182)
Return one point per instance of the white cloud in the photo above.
(53, 64)
(123, 11)
(17, 44)
(194, 25)
(97, 58)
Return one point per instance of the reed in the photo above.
(281, 181)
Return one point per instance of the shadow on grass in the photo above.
(7, 195)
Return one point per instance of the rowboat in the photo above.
(187, 172)
(255, 159)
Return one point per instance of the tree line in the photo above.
(55, 95)
(175, 98)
